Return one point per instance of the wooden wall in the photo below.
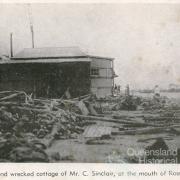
(46, 79)
(102, 84)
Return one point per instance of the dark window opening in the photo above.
(95, 71)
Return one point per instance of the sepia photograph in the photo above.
(90, 83)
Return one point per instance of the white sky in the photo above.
(144, 39)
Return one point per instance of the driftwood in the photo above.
(172, 118)
(105, 119)
(84, 97)
(147, 130)
(23, 106)
(10, 96)
(4, 93)
(142, 131)
(33, 109)
(9, 103)
(33, 106)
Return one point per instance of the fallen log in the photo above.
(9, 103)
(34, 106)
(141, 131)
(33, 109)
(12, 96)
(42, 100)
(5, 93)
(105, 119)
(146, 130)
(161, 118)
(81, 97)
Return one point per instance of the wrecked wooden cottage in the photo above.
(50, 72)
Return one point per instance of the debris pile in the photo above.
(155, 103)
(28, 126)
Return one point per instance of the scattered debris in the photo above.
(97, 132)
(42, 119)
(29, 126)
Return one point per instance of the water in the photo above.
(171, 95)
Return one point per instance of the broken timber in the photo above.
(97, 131)
(105, 119)
(146, 130)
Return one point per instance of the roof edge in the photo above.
(101, 57)
(52, 47)
(52, 61)
(60, 57)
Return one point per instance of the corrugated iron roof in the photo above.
(50, 52)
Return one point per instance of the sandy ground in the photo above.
(112, 150)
